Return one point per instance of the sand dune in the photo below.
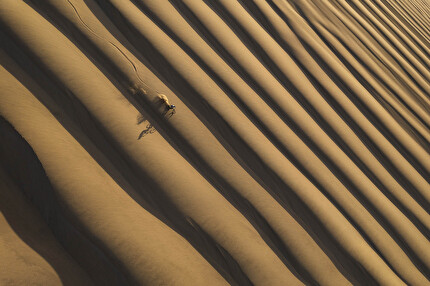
(298, 152)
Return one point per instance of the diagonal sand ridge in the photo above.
(298, 152)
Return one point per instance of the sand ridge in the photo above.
(298, 153)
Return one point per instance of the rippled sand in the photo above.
(298, 152)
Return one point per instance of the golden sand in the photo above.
(299, 152)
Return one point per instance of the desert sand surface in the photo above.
(298, 151)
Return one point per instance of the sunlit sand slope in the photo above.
(298, 152)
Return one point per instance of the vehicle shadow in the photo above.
(149, 129)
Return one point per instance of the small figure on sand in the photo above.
(165, 102)
(160, 100)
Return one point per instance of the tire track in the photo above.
(111, 43)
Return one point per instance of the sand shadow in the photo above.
(150, 128)
(91, 134)
(26, 174)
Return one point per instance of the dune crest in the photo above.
(230, 142)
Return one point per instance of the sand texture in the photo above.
(298, 152)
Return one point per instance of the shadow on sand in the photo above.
(149, 129)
